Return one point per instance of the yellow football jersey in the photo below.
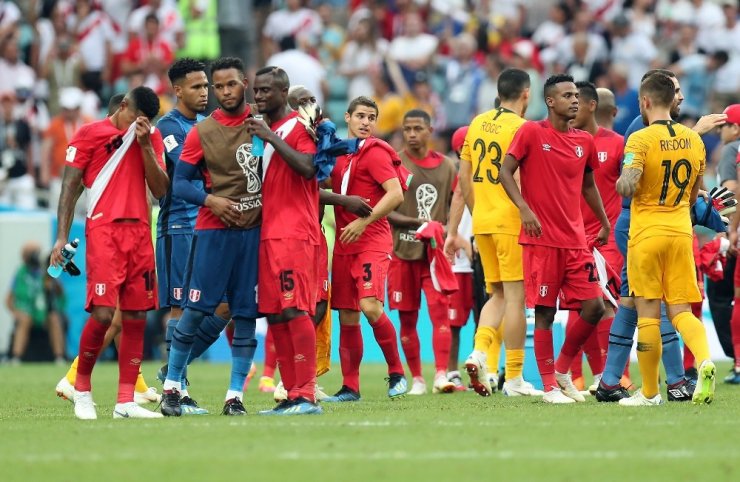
(671, 158)
(485, 146)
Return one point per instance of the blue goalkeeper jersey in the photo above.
(175, 215)
(634, 126)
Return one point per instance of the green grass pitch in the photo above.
(457, 437)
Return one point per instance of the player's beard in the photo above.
(236, 107)
(675, 111)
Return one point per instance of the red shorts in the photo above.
(322, 270)
(406, 280)
(552, 273)
(120, 267)
(357, 276)
(462, 300)
(287, 276)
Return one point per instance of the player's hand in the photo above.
(358, 205)
(56, 253)
(603, 237)
(530, 223)
(258, 127)
(468, 248)
(309, 115)
(226, 210)
(143, 131)
(708, 122)
(723, 200)
(453, 242)
(353, 231)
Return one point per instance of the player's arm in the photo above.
(628, 180)
(695, 189)
(156, 178)
(357, 205)
(593, 198)
(466, 183)
(708, 122)
(71, 190)
(633, 163)
(300, 162)
(402, 221)
(530, 223)
(392, 198)
(457, 207)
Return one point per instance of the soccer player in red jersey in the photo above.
(362, 250)
(427, 199)
(557, 164)
(290, 240)
(116, 158)
(610, 149)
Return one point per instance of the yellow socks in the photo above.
(494, 349)
(72, 372)
(483, 338)
(141, 385)
(649, 350)
(694, 335)
(514, 363)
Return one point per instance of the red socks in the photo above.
(602, 332)
(544, 354)
(270, 356)
(130, 351)
(575, 337)
(90, 343)
(688, 357)
(441, 335)
(303, 337)
(593, 353)
(576, 368)
(735, 329)
(350, 354)
(386, 337)
(284, 353)
(410, 341)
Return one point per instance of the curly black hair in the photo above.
(182, 67)
(553, 80)
(227, 63)
(144, 99)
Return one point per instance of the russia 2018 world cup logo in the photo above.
(250, 166)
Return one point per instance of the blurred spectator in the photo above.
(642, 17)
(295, 20)
(710, 19)
(10, 15)
(390, 106)
(463, 78)
(625, 97)
(597, 47)
(13, 71)
(56, 139)
(332, 37)
(237, 31)
(302, 69)
(61, 69)
(551, 32)
(362, 55)
(697, 75)
(418, 96)
(171, 25)
(728, 37)
(488, 91)
(583, 67)
(16, 172)
(34, 300)
(414, 49)
(686, 43)
(201, 24)
(631, 48)
(150, 55)
(522, 59)
(95, 35)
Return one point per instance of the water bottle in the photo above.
(68, 252)
(258, 145)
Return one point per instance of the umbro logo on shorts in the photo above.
(194, 296)
(100, 289)
(543, 290)
(177, 293)
(546, 147)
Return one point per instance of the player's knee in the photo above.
(103, 314)
(349, 317)
(627, 302)
(371, 308)
(593, 312)
(222, 311)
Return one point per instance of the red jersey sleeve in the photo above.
(303, 141)
(593, 156)
(519, 147)
(192, 150)
(380, 165)
(158, 145)
(80, 150)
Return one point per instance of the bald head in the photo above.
(607, 108)
(299, 95)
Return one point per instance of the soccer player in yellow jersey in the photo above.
(662, 171)
(496, 226)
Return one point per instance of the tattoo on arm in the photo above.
(627, 182)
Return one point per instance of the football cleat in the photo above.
(418, 386)
(604, 394)
(457, 381)
(478, 373)
(301, 406)
(595, 385)
(170, 405)
(556, 396)
(397, 385)
(188, 406)
(493, 380)
(280, 392)
(517, 387)
(704, 391)
(442, 384)
(569, 390)
(345, 394)
(65, 390)
(639, 400)
(277, 410)
(267, 385)
(234, 407)
(149, 396)
(733, 378)
(84, 406)
(133, 410)
(319, 394)
(679, 392)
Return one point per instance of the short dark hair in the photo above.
(650, 72)
(225, 63)
(287, 43)
(151, 17)
(418, 114)
(660, 89)
(115, 102)
(362, 100)
(587, 91)
(721, 57)
(182, 67)
(511, 84)
(553, 80)
(278, 75)
(146, 100)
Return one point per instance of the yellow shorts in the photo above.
(662, 267)
(501, 257)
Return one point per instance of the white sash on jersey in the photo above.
(603, 276)
(345, 177)
(283, 131)
(106, 173)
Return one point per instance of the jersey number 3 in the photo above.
(680, 180)
(495, 160)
